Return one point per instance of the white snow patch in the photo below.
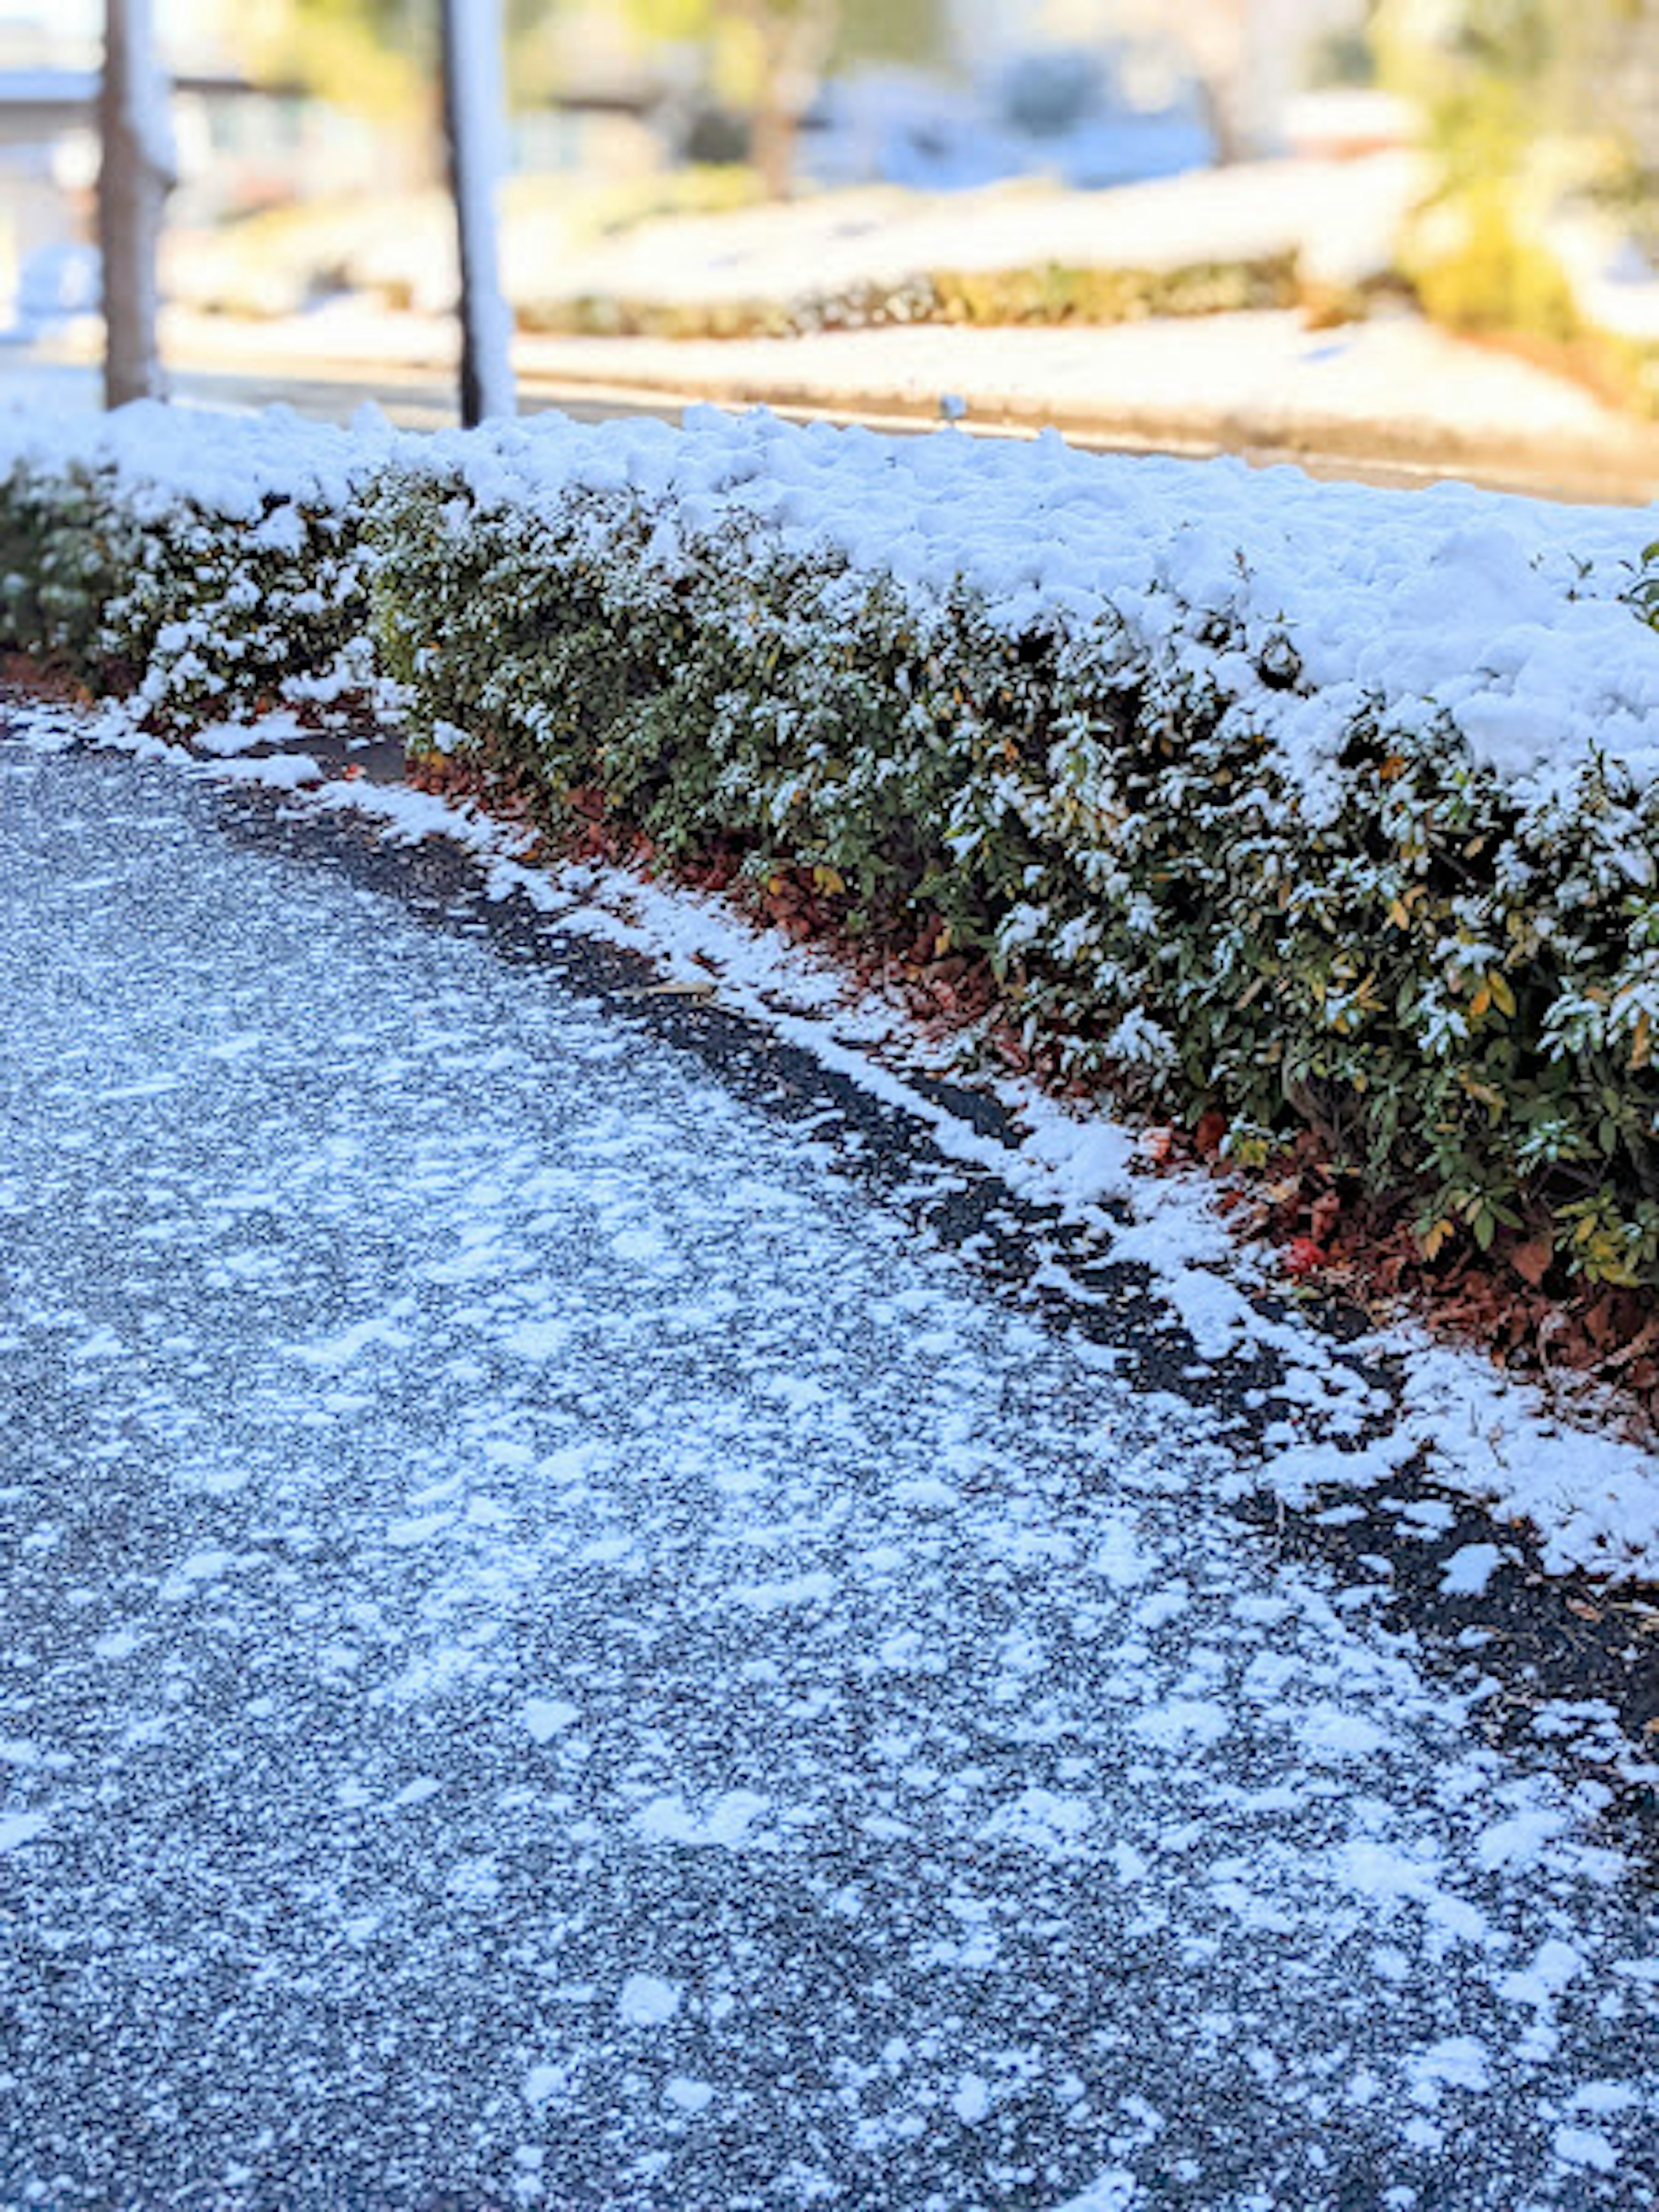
(1116, 2191)
(1181, 1723)
(1117, 1555)
(1468, 1571)
(280, 771)
(725, 1824)
(1459, 2062)
(816, 1588)
(972, 2099)
(546, 1717)
(1584, 2147)
(1327, 1732)
(1046, 1820)
(223, 740)
(1554, 1965)
(544, 2081)
(646, 2001)
(1521, 1841)
(687, 2096)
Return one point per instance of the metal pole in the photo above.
(135, 176)
(471, 42)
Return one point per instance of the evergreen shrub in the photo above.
(205, 599)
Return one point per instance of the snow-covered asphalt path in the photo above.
(549, 1656)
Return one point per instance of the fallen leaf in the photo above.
(1304, 1257)
(1211, 1127)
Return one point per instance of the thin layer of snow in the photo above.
(1592, 1496)
(1055, 1841)
(1594, 1499)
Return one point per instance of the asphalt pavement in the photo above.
(557, 1652)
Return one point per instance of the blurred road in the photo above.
(415, 398)
(223, 364)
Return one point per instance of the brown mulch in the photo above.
(19, 673)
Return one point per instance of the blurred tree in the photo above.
(914, 31)
(766, 57)
(378, 57)
(134, 179)
(1524, 101)
(1498, 81)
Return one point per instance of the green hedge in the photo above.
(1456, 990)
(200, 606)
(1453, 980)
(1042, 292)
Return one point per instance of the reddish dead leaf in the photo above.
(1211, 1129)
(1323, 1216)
(1602, 1323)
(1302, 1257)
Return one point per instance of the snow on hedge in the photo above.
(229, 465)
(1507, 613)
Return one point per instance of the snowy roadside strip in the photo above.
(1477, 650)
(1592, 1499)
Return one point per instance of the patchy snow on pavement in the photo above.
(1592, 1499)
(1558, 1468)
(552, 1654)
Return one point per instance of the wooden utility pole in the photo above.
(474, 123)
(134, 179)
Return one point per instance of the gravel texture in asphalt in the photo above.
(552, 1653)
